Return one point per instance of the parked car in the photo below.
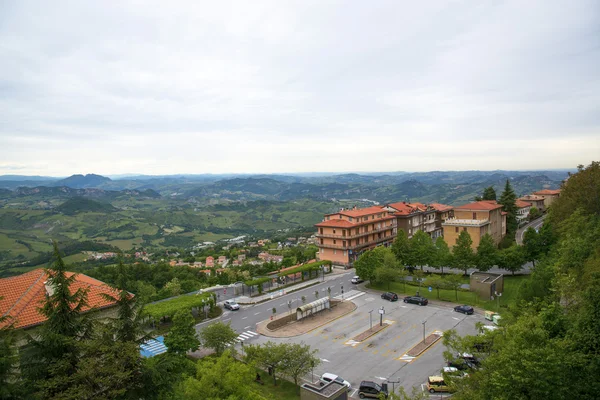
(327, 377)
(422, 301)
(437, 384)
(371, 390)
(231, 305)
(356, 280)
(391, 296)
(465, 309)
(459, 364)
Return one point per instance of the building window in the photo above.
(344, 252)
(474, 215)
(321, 231)
(456, 229)
(334, 241)
(334, 231)
(340, 216)
(465, 229)
(334, 251)
(321, 249)
(350, 219)
(409, 231)
(344, 243)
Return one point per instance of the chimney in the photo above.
(49, 289)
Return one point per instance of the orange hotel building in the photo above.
(343, 236)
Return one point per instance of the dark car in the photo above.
(391, 296)
(422, 301)
(371, 390)
(465, 309)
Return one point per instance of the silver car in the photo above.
(231, 305)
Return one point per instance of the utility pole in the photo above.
(381, 312)
(371, 320)
(424, 322)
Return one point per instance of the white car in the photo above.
(327, 377)
(231, 305)
(356, 279)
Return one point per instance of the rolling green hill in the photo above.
(81, 204)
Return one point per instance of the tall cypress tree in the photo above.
(51, 356)
(508, 200)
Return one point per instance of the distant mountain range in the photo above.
(451, 187)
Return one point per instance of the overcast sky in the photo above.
(114, 87)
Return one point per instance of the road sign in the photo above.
(429, 288)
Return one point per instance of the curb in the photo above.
(316, 327)
(374, 333)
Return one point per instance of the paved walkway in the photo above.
(308, 324)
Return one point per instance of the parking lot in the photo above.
(380, 358)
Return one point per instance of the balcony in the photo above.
(356, 246)
(336, 236)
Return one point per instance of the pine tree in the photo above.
(508, 200)
(489, 193)
(487, 253)
(51, 357)
(462, 252)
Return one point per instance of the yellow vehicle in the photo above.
(437, 384)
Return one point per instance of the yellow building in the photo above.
(477, 218)
(548, 195)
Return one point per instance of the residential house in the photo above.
(241, 257)
(523, 208)
(222, 260)
(266, 257)
(343, 236)
(442, 213)
(210, 261)
(535, 201)
(22, 296)
(548, 195)
(477, 218)
(413, 217)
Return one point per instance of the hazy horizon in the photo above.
(260, 87)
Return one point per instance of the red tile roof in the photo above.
(402, 208)
(530, 197)
(360, 212)
(342, 223)
(441, 207)
(484, 205)
(547, 191)
(522, 204)
(22, 295)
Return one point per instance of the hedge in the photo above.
(306, 267)
(257, 281)
(169, 308)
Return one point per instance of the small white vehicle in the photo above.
(356, 279)
(231, 305)
(327, 377)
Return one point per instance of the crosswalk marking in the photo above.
(245, 335)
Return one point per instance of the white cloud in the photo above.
(194, 87)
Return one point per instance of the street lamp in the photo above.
(424, 322)
(323, 273)
(370, 320)
(381, 312)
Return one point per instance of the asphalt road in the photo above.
(245, 319)
(534, 224)
(378, 358)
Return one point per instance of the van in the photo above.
(437, 384)
(371, 390)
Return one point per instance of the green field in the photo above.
(511, 287)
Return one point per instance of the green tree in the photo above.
(173, 287)
(442, 256)
(269, 355)
(454, 282)
(217, 336)
(532, 245)
(401, 249)
(487, 253)
(508, 200)
(582, 190)
(463, 252)
(219, 378)
(534, 213)
(182, 337)
(489, 193)
(299, 360)
(51, 357)
(368, 262)
(512, 258)
(437, 283)
(386, 275)
(10, 384)
(422, 249)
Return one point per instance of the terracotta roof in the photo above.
(485, 205)
(522, 204)
(342, 223)
(441, 207)
(402, 208)
(547, 191)
(24, 294)
(530, 197)
(360, 212)
(418, 205)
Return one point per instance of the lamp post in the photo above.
(370, 320)
(498, 301)
(322, 273)
(424, 322)
(381, 312)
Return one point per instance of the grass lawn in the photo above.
(511, 287)
(283, 391)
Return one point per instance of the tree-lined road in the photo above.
(534, 224)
